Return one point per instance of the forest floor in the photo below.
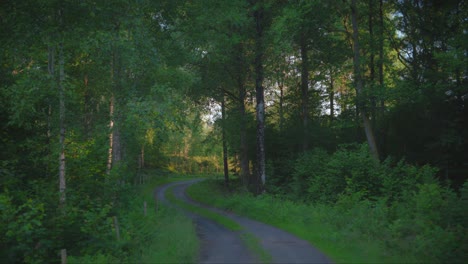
(221, 245)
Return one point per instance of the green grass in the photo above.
(322, 225)
(162, 236)
(222, 220)
(250, 240)
(253, 244)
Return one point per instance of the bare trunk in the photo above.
(305, 93)
(381, 55)
(260, 108)
(116, 145)
(62, 182)
(372, 63)
(111, 134)
(142, 157)
(331, 96)
(359, 86)
(87, 108)
(225, 157)
(244, 149)
(117, 227)
(51, 70)
(281, 110)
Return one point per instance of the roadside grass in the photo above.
(161, 236)
(222, 220)
(250, 240)
(253, 244)
(322, 225)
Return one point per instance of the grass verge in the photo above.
(316, 224)
(222, 220)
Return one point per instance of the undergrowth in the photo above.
(356, 210)
(161, 236)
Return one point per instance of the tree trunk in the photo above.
(225, 157)
(331, 96)
(359, 86)
(111, 134)
(62, 182)
(260, 108)
(116, 89)
(281, 107)
(381, 56)
(87, 108)
(372, 62)
(142, 157)
(116, 145)
(51, 70)
(305, 92)
(244, 149)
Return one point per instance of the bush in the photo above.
(403, 206)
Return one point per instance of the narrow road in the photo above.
(282, 246)
(218, 244)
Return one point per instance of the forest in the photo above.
(355, 111)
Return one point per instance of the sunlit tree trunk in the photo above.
(225, 154)
(111, 134)
(260, 98)
(359, 86)
(244, 149)
(331, 96)
(281, 106)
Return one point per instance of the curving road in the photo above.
(220, 245)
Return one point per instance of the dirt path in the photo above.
(282, 246)
(218, 244)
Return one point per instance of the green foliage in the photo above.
(161, 236)
(23, 229)
(409, 218)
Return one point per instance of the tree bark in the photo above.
(359, 86)
(305, 92)
(51, 71)
(381, 56)
(111, 134)
(331, 96)
(281, 107)
(372, 62)
(244, 149)
(260, 98)
(225, 154)
(61, 87)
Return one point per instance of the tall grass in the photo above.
(162, 236)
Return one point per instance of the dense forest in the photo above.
(313, 101)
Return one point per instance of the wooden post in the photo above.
(144, 207)
(63, 256)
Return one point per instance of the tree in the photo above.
(359, 86)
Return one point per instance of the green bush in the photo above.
(388, 211)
